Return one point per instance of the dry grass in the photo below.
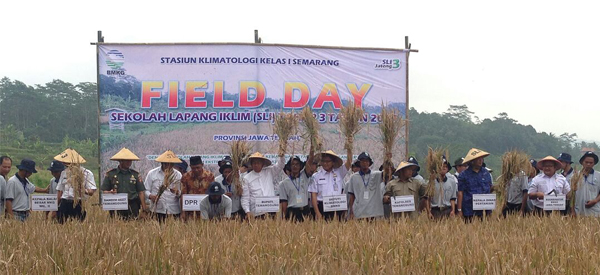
(530, 245)
(239, 152)
(389, 128)
(349, 123)
(434, 167)
(513, 163)
(286, 125)
(577, 175)
(311, 135)
(76, 179)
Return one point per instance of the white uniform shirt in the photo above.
(260, 185)
(588, 189)
(545, 184)
(445, 192)
(68, 191)
(168, 202)
(328, 183)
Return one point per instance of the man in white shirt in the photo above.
(75, 185)
(329, 181)
(164, 196)
(364, 190)
(548, 183)
(5, 165)
(588, 187)
(260, 181)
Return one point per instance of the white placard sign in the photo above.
(484, 201)
(403, 203)
(115, 201)
(335, 203)
(266, 204)
(44, 202)
(552, 202)
(192, 202)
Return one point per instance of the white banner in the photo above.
(558, 202)
(484, 201)
(117, 201)
(335, 203)
(44, 202)
(192, 202)
(266, 204)
(403, 204)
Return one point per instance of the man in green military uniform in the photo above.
(123, 179)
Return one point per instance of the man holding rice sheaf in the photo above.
(587, 196)
(260, 181)
(364, 190)
(329, 181)
(76, 184)
(443, 201)
(231, 190)
(548, 183)
(405, 185)
(123, 179)
(293, 191)
(163, 187)
(474, 180)
(196, 181)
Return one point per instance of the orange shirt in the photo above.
(196, 185)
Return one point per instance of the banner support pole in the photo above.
(407, 110)
(100, 40)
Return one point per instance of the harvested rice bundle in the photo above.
(311, 130)
(391, 123)
(239, 152)
(349, 123)
(286, 125)
(435, 162)
(514, 163)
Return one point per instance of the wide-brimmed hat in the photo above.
(215, 189)
(365, 155)
(403, 165)
(224, 165)
(414, 161)
(69, 156)
(168, 157)
(337, 161)
(540, 163)
(565, 157)
(589, 154)
(260, 156)
(183, 165)
(297, 158)
(474, 153)
(27, 165)
(226, 158)
(458, 162)
(124, 154)
(56, 166)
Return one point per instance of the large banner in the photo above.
(195, 99)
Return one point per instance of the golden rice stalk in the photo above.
(286, 124)
(167, 181)
(434, 166)
(390, 126)
(239, 152)
(311, 130)
(514, 163)
(349, 122)
(76, 179)
(577, 175)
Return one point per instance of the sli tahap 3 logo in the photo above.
(115, 60)
(389, 64)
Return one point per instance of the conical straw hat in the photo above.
(258, 155)
(557, 164)
(124, 154)
(473, 154)
(168, 157)
(337, 161)
(403, 165)
(69, 156)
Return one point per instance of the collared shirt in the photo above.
(328, 183)
(2, 195)
(445, 192)
(295, 191)
(190, 184)
(19, 189)
(215, 211)
(52, 186)
(588, 188)
(260, 185)
(125, 180)
(410, 187)
(545, 184)
(236, 204)
(168, 202)
(366, 188)
(569, 175)
(64, 184)
(517, 186)
(471, 182)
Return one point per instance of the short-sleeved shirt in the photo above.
(366, 188)
(52, 186)
(191, 184)
(126, 181)
(410, 187)
(215, 211)
(18, 190)
(2, 194)
(295, 191)
(569, 175)
(517, 186)
(236, 203)
(168, 202)
(588, 189)
(545, 184)
(470, 183)
(64, 184)
(445, 192)
(328, 183)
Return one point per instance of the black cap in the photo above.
(182, 165)
(215, 189)
(297, 158)
(446, 162)
(459, 162)
(226, 158)
(195, 160)
(56, 166)
(564, 157)
(589, 154)
(224, 165)
(413, 160)
(27, 165)
(365, 155)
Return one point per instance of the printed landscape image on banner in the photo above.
(197, 99)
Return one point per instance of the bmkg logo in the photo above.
(115, 60)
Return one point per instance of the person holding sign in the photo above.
(123, 179)
(443, 203)
(364, 190)
(587, 195)
(75, 185)
(163, 187)
(293, 191)
(474, 180)
(260, 182)
(405, 185)
(329, 181)
(546, 184)
(216, 205)
(195, 181)
(225, 168)
(18, 190)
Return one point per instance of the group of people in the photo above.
(302, 191)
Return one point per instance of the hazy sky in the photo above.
(536, 60)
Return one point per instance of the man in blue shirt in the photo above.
(474, 180)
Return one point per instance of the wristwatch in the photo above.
(459, 210)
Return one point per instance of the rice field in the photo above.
(99, 245)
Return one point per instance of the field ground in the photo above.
(531, 245)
